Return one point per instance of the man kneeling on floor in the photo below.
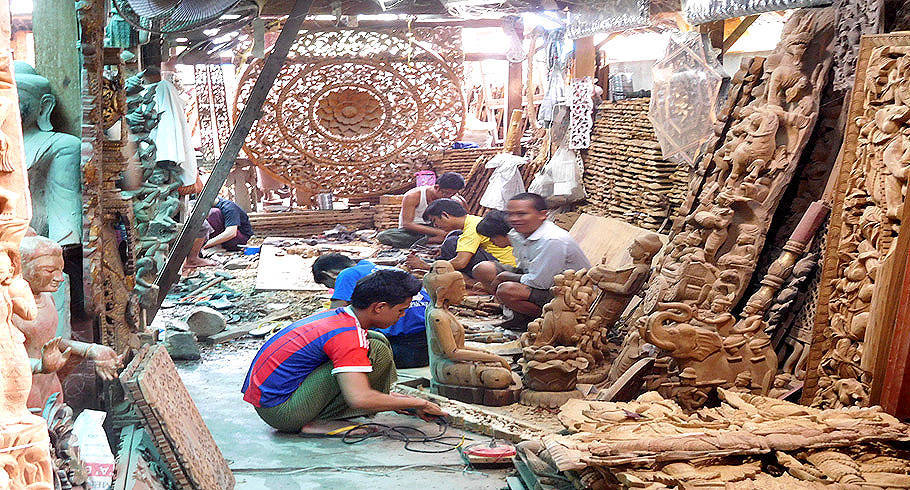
(408, 336)
(330, 366)
(542, 249)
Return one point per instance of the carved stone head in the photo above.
(36, 102)
(42, 264)
(444, 284)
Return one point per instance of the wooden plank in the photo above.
(895, 395)
(590, 232)
(250, 113)
(515, 81)
(58, 58)
(281, 271)
(585, 59)
(738, 32)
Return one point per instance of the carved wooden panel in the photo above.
(351, 109)
(211, 106)
(866, 216)
(169, 414)
(768, 120)
(855, 18)
(109, 279)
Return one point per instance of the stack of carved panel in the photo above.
(651, 442)
(387, 211)
(310, 222)
(625, 175)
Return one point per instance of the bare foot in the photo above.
(192, 262)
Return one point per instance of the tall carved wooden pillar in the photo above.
(24, 440)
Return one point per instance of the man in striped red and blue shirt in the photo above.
(329, 366)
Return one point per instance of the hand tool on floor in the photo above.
(221, 276)
(494, 453)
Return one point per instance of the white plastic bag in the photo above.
(505, 181)
(560, 178)
(94, 449)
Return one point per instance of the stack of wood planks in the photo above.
(460, 161)
(303, 223)
(387, 212)
(625, 175)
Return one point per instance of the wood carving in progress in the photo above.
(768, 119)
(451, 363)
(25, 462)
(866, 217)
(569, 343)
(351, 108)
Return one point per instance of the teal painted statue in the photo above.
(53, 160)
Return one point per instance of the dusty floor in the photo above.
(264, 459)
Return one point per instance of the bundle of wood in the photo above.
(460, 161)
(387, 211)
(310, 222)
(625, 175)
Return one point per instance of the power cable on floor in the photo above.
(408, 435)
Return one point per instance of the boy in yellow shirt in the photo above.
(463, 246)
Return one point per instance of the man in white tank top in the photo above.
(411, 225)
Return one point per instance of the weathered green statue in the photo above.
(53, 159)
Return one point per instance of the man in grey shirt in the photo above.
(542, 250)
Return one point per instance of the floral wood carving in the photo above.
(211, 105)
(866, 216)
(580, 122)
(351, 107)
(768, 119)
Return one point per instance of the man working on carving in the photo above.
(463, 247)
(542, 249)
(412, 227)
(330, 366)
(230, 225)
(408, 336)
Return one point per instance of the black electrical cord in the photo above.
(408, 435)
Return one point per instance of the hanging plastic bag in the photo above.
(505, 181)
(560, 179)
(94, 449)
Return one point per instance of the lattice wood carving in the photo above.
(864, 224)
(211, 105)
(352, 108)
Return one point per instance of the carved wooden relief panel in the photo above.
(768, 119)
(867, 211)
(211, 105)
(855, 18)
(350, 105)
(25, 462)
(153, 385)
(109, 280)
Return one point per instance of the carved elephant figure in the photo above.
(691, 346)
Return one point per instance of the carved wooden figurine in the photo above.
(42, 269)
(452, 364)
(24, 458)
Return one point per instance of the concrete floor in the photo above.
(264, 459)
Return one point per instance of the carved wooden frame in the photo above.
(833, 269)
